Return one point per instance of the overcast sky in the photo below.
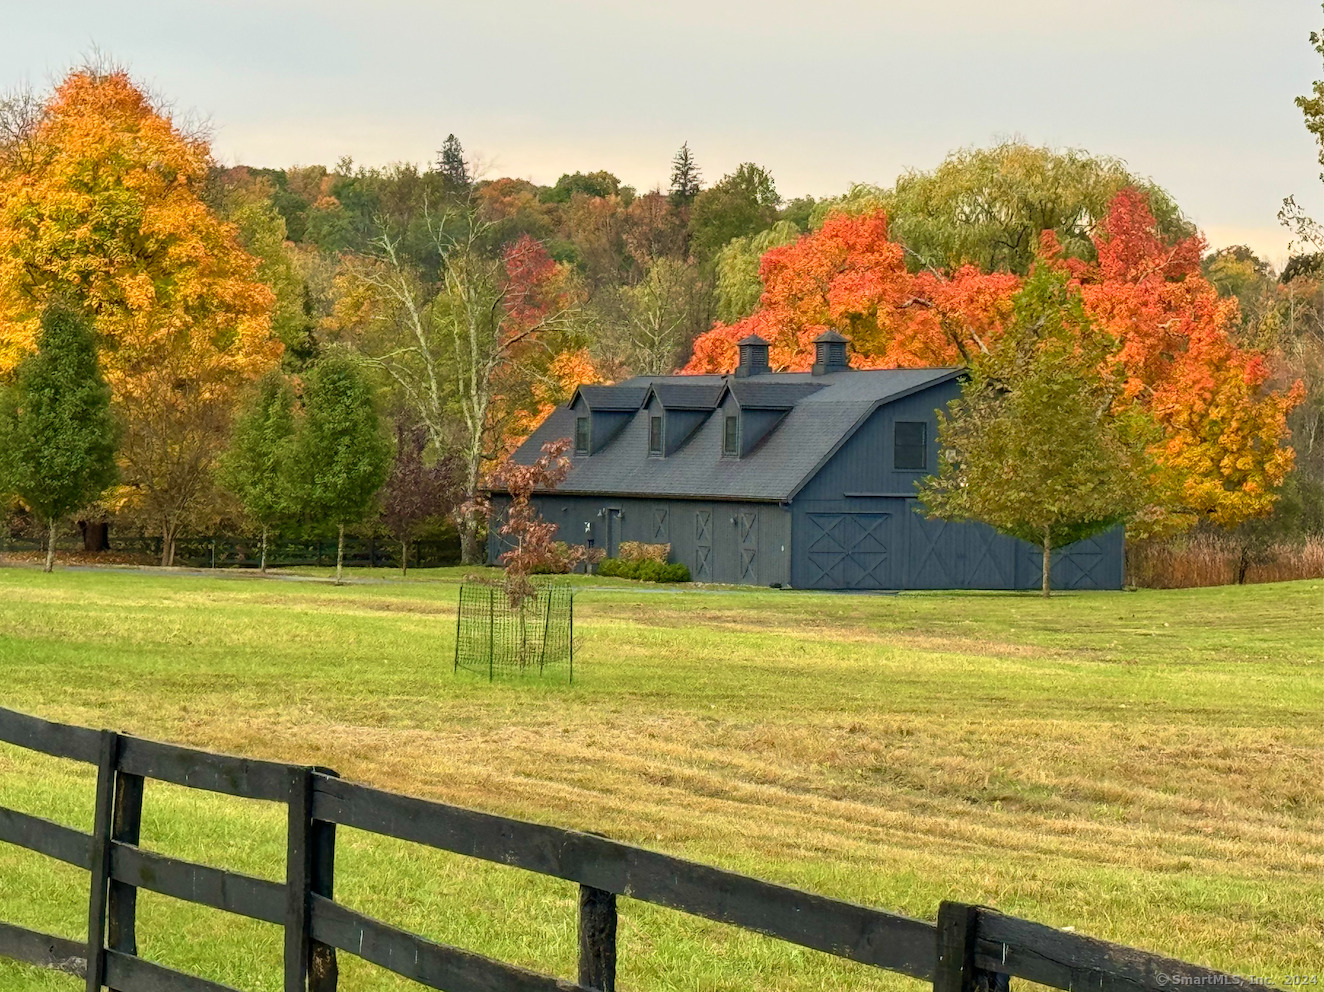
(1196, 94)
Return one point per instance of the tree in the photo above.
(57, 434)
(986, 207)
(466, 352)
(256, 466)
(1036, 446)
(1225, 425)
(340, 455)
(534, 541)
(742, 203)
(102, 202)
(686, 181)
(738, 284)
(1312, 106)
(652, 323)
(416, 491)
(601, 183)
(455, 177)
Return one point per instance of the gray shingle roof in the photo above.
(625, 396)
(682, 396)
(764, 393)
(820, 419)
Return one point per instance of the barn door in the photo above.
(747, 525)
(703, 545)
(850, 551)
(613, 515)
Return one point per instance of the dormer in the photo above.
(601, 412)
(675, 412)
(750, 411)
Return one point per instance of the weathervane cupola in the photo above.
(753, 356)
(830, 353)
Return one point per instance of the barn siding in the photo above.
(725, 541)
(856, 524)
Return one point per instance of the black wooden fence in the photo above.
(969, 948)
(222, 551)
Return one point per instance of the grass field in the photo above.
(1145, 767)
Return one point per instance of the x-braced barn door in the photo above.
(703, 545)
(748, 526)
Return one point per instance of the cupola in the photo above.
(830, 353)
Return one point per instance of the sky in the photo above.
(1194, 94)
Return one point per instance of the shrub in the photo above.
(644, 570)
(639, 551)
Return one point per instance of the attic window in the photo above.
(910, 447)
(581, 435)
(731, 436)
(655, 435)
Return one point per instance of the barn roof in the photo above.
(822, 412)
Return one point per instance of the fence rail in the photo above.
(244, 552)
(969, 948)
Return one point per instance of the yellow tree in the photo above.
(100, 200)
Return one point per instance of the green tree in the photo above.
(601, 183)
(57, 434)
(454, 169)
(742, 203)
(686, 180)
(256, 466)
(340, 453)
(987, 206)
(1034, 447)
(738, 284)
(1312, 106)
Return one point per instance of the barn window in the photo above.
(655, 435)
(910, 446)
(731, 437)
(581, 435)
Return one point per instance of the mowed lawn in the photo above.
(1144, 766)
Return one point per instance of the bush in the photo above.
(644, 570)
(639, 551)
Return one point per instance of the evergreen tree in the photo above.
(1034, 447)
(255, 468)
(455, 178)
(57, 435)
(340, 455)
(686, 180)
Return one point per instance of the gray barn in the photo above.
(804, 480)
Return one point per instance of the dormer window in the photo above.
(655, 435)
(581, 435)
(731, 436)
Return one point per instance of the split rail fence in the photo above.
(969, 948)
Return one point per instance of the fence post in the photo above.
(125, 828)
(958, 929)
(491, 634)
(597, 939)
(101, 834)
(309, 869)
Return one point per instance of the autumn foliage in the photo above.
(1171, 334)
(101, 203)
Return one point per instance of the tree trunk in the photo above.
(167, 544)
(262, 567)
(404, 559)
(50, 546)
(96, 535)
(1048, 563)
(340, 555)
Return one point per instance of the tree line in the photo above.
(449, 312)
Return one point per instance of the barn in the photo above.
(803, 480)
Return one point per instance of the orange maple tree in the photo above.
(100, 203)
(1224, 430)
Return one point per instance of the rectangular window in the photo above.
(910, 446)
(655, 435)
(581, 435)
(731, 437)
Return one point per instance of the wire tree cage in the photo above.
(530, 632)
